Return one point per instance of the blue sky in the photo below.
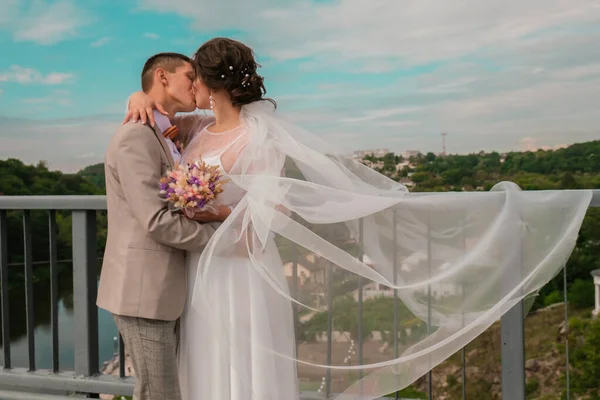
(386, 73)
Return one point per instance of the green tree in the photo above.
(581, 293)
(585, 357)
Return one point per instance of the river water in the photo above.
(107, 330)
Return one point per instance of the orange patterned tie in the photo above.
(171, 133)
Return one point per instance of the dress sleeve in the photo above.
(189, 124)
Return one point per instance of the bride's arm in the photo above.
(141, 106)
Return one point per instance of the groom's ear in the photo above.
(161, 75)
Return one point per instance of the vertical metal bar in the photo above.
(566, 333)
(295, 288)
(513, 353)
(84, 292)
(29, 311)
(329, 329)
(121, 357)
(464, 374)
(463, 351)
(53, 233)
(360, 297)
(429, 251)
(4, 288)
(512, 332)
(395, 282)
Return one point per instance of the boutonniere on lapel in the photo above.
(172, 133)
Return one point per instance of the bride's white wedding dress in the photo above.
(217, 360)
(237, 333)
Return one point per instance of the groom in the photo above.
(143, 279)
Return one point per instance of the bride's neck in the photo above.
(226, 118)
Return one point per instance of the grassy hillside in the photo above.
(544, 355)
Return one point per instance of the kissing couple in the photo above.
(153, 254)
(201, 299)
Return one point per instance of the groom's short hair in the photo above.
(167, 61)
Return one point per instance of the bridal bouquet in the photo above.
(192, 187)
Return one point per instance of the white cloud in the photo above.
(101, 42)
(380, 33)
(455, 86)
(60, 97)
(398, 124)
(26, 75)
(57, 78)
(579, 72)
(492, 110)
(68, 145)
(43, 22)
(10, 8)
(503, 71)
(382, 114)
(87, 156)
(151, 35)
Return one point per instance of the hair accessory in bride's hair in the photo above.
(226, 64)
(245, 71)
(245, 80)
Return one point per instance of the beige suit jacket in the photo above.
(143, 272)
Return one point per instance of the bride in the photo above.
(214, 360)
(458, 261)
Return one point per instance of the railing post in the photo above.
(429, 330)
(513, 353)
(295, 289)
(361, 257)
(53, 252)
(84, 293)
(567, 365)
(395, 282)
(329, 278)
(512, 333)
(29, 307)
(4, 288)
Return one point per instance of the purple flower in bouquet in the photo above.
(191, 186)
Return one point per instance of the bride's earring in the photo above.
(212, 102)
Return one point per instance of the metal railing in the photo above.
(85, 379)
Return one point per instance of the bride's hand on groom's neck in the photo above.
(141, 107)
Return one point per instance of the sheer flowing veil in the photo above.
(457, 261)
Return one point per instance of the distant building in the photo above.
(378, 153)
(308, 271)
(410, 153)
(373, 290)
(404, 164)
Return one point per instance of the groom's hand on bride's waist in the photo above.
(208, 216)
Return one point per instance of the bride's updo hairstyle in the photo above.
(226, 64)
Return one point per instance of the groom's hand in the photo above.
(207, 216)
